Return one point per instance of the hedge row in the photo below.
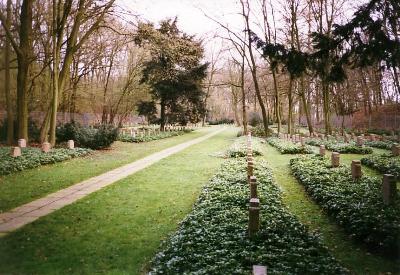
(213, 238)
(356, 206)
(385, 163)
(34, 157)
(288, 147)
(161, 135)
(340, 147)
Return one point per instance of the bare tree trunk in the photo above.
(305, 106)
(24, 56)
(244, 107)
(7, 53)
(290, 112)
(277, 102)
(56, 60)
(162, 115)
(253, 68)
(326, 103)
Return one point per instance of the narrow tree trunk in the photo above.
(327, 117)
(277, 102)
(162, 115)
(290, 111)
(305, 106)
(56, 58)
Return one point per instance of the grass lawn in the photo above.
(116, 230)
(350, 254)
(23, 187)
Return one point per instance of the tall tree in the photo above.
(24, 53)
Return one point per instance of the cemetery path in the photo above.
(29, 212)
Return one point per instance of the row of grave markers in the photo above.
(46, 146)
(359, 140)
(254, 203)
(388, 182)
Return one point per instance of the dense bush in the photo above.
(221, 121)
(258, 131)
(340, 147)
(239, 147)
(95, 138)
(254, 119)
(385, 163)
(34, 157)
(288, 147)
(161, 135)
(356, 206)
(387, 144)
(213, 238)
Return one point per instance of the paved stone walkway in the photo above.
(27, 213)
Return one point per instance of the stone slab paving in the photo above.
(27, 213)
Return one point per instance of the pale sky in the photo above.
(189, 12)
(192, 20)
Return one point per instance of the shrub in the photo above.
(356, 206)
(34, 157)
(255, 119)
(221, 121)
(288, 147)
(94, 138)
(258, 131)
(341, 147)
(213, 238)
(385, 163)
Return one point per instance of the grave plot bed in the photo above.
(146, 138)
(380, 144)
(341, 147)
(288, 147)
(213, 238)
(385, 163)
(357, 206)
(34, 157)
(238, 148)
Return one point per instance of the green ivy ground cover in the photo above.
(213, 238)
(340, 147)
(384, 163)
(161, 135)
(34, 157)
(356, 206)
(288, 147)
(239, 147)
(387, 144)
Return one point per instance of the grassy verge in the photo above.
(118, 229)
(25, 186)
(349, 254)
